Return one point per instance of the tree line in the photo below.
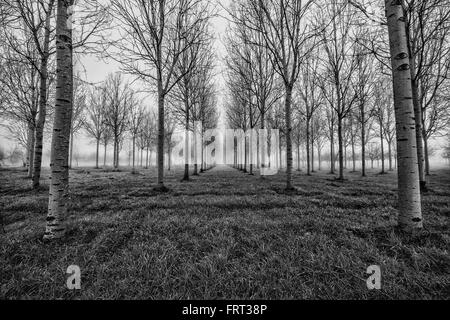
(334, 74)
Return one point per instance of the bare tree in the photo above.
(35, 18)
(77, 120)
(289, 37)
(312, 99)
(20, 80)
(117, 111)
(427, 24)
(382, 102)
(341, 63)
(192, 65)
(250, 59)
(157, 33)
(135, 123)
(95, 118)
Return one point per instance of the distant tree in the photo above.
(148, 135)
(135, 122)
(157, 33)
(16, 155)
(289, 37)
(311, 99)
(374, 152)
(364, 88)
(341, 63)
(78, 113)
(105, 139)
(94, 120)
(381, 109)
(169, 128)
(446, 152)
(117, 111)
(2, 156)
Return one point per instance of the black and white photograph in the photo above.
(224, 156)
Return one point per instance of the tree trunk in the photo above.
(202, 163)
(308, 157)
(319, 158)
(39, 131)
(353, 154)
(160, 178)
(245, 154)
(390, 155)
(288, 103)
(345, 156)
(134, 154)
(186, 143)
(97, 150)
(58, 195)
(115, 154)
(427, 158)
(418, 117)
(332, 167)
(409, 206)
(104, 156)
(383, 171)
(43, 71)
(195, 152)
(30, 151)
(341, 149)
(169, 159)
(71, 150)
(363, 142)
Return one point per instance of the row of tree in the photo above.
(316, 70)
(331, 73)
(165, 44)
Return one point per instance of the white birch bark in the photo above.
(57, 207)
(409, 206)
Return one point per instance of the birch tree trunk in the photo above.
(186, 144)
(30, 151)
(332, 160)
(160, 179)
(288, 103)
(39, 130)
(308, 157)
(96, 153)
(390, 155)
(409, 206)
(383, 171)
(363, 142)
(59, 185)
(418, 117)
(341, 149)
(353, 154)
(426, 155)
(134, 154)
(104, 156)
(71, 149)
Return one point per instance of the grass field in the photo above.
(224, 235)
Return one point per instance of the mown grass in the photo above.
(223, 235)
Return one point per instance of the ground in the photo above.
(223, 235)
